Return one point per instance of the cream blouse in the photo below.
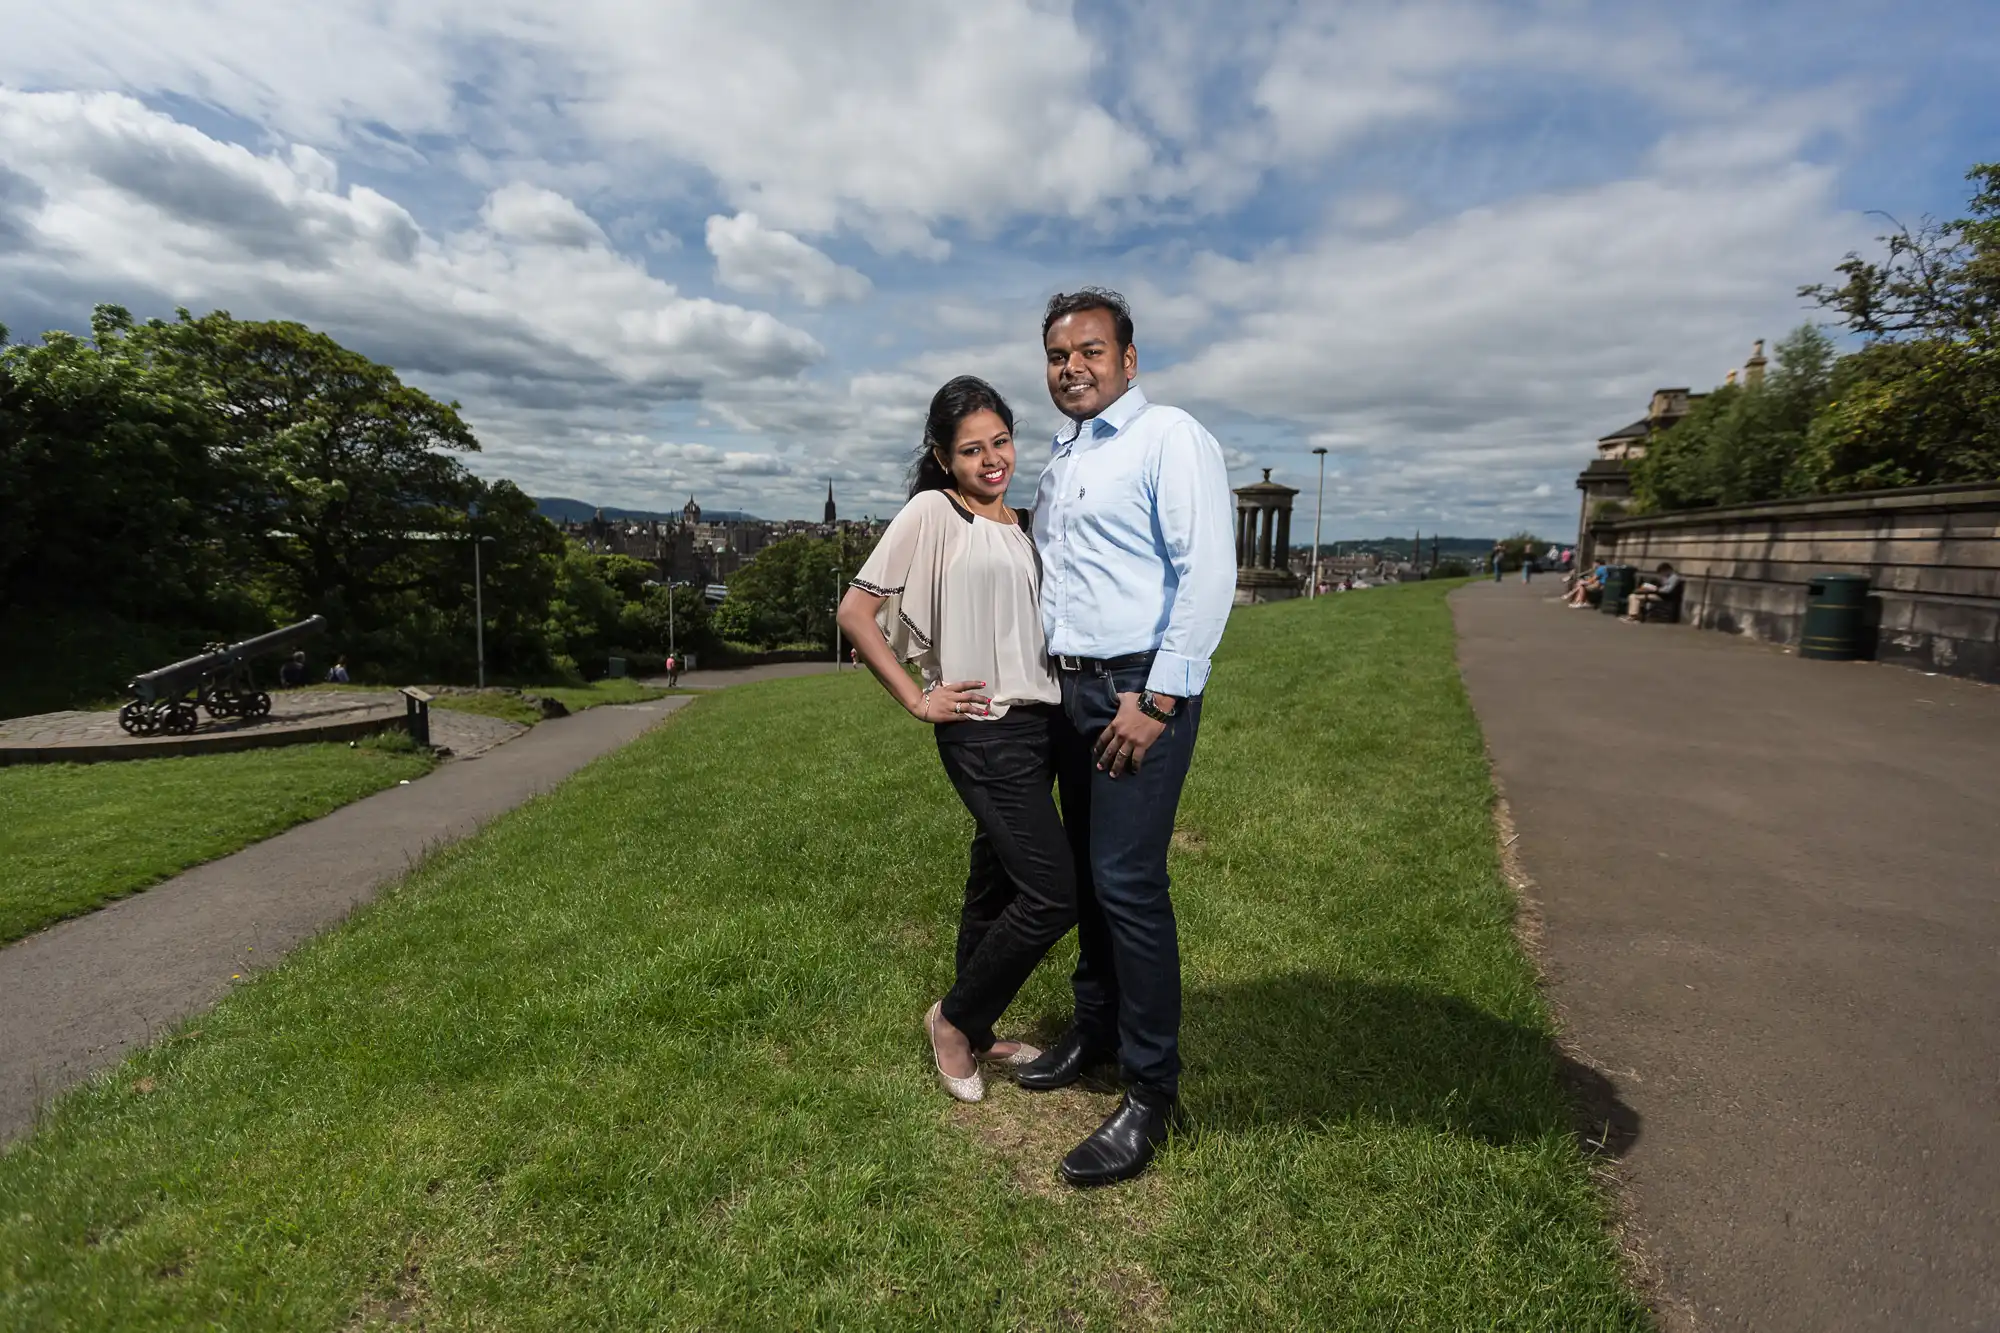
(962, 600)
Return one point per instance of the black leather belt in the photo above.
(1098, 666)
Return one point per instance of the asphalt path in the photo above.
(77, 996)
(1770, 892)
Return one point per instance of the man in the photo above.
(1654, 596)
(1133, 522)
(293, 673)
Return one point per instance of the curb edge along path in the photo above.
(81, 994)
(1770, 912)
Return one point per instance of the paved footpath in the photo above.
(77, 996)
(1771, 891)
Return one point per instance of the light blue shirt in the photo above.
(1133, 520)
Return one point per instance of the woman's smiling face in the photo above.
(981, 462)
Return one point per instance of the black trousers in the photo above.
(1020, 888)
(1128, 974)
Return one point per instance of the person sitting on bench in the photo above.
(1657, 597)
(1588, 589)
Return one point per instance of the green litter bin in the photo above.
(1619, 581)
(617, 667)
(1835, 612)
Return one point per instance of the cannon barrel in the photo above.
(171, 681)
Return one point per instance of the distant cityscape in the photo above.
(705, 547)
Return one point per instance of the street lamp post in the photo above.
(835, 571)
(479, 609)
(1319, 503)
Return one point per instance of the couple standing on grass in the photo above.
(1066, 648)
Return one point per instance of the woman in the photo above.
(954, 586)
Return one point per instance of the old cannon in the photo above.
(218, 680)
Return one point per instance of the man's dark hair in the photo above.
(952, 404)
(1664, 568)
(1091, 298)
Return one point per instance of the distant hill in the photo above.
(1399, 547)
(558, 509)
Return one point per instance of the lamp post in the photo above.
(479, 609)
(835, 571)
(1319, 503)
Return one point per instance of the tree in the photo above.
(1742, 443)
(338, 465)
(1920, 405)
(109, 495)
(788, 593)
(519, 553)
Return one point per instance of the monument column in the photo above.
(1264, 539)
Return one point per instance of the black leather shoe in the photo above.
(1123, 1145)
(1063, 1063)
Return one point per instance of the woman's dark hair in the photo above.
(951, 405)
(1091, 298)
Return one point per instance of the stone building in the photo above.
(1264, 542)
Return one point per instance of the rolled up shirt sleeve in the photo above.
(1195, 513)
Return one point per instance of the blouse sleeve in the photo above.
(903, 570)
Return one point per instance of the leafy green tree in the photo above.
(1921, 403)
(585, 609)
(1913, 413)
(519, 555)
(109, 495)
(649, 624)
(1742, 443)
(788, 593)
(341, 470)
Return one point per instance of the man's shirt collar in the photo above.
(1110, 421)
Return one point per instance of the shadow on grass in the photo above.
(1307, 1047)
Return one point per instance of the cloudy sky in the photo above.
(732, 248)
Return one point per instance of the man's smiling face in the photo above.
(1088, 370)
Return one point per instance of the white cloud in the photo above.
(133, 203)
(527, 213)
(1472, 358)
(532, 166)
(750, 257)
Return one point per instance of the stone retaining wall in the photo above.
(1932, 555)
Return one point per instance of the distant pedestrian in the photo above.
(1527, 564)
(673, 670)
(293, 673)
(337, 673)
(1499, 559)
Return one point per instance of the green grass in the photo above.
(515, 708)
(646, 1054)
(76, 836)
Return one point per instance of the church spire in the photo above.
(829, 502)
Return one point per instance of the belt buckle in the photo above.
(1064, 663)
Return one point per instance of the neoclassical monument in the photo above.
(1264, 542)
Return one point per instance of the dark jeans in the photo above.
(1020, 890)
(1128, 975)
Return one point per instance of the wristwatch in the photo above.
(1153, 710)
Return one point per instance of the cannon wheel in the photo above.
(132, 717)
(259, 705)
(181, 719)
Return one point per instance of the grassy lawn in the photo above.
(646, 1054)
(77, 836)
